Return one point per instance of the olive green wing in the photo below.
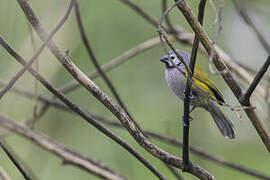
(202, 76)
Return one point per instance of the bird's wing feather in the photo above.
(201, 75)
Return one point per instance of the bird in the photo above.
(204, 93)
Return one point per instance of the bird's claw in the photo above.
(190, 119)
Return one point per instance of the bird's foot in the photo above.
(190, 119)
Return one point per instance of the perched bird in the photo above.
(204, 93)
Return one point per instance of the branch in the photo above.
(246, 98)
(192, 63)
(103, 98)
(79, 111)
(221, 66)
(67, 154)
(114, 62)
(157, 136)
(187, 38)
(14, 160)
(36, 55)
(96, 64)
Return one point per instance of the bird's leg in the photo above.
(190, 118)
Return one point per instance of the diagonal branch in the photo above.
(14, 160)
(227, 76)
(88, 118)
(187, 38)
(96, 64)
(115, 62)
(103, 98)
(36, 55)
(199, 152)
(246, 98)
(67, 154)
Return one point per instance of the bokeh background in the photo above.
(113, 28)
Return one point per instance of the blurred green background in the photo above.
(113, 28)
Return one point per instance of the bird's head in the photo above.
(171, 59)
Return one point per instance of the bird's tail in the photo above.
(225, 126)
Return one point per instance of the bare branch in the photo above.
(103, 98)
(192, 63)
(35, 56)
(221, 66)
(65, 153)
(96, 64)
(14, 159)
(78, 110)
(246, 98)
(114, 62)
(32, 120)
(157, 136)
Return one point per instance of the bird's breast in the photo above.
(176, 82)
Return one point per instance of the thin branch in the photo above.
(167, 19)
(78, 110)
(157, 136)
(246, 98)
(67, 154)
(227, 76)
(31, 123)
(241, 9)
(103, 98)
(96, 64)
(36, 55)
(14, 160)
(187, 38)
(192, 63)
(114, 63)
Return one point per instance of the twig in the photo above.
(221, 66)
(96, 64)
(162, 34)
(103, 98)
(192, 63)
(167, 19)
(157, 136)
(187, 38)
(14, 160)
(35, 56)
(114, 62)
(67, 154)
(246, 97)
(241, 9)
(32, 120)
(78, 110)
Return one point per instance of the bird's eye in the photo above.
(172, 57)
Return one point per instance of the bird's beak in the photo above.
(164, 59)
